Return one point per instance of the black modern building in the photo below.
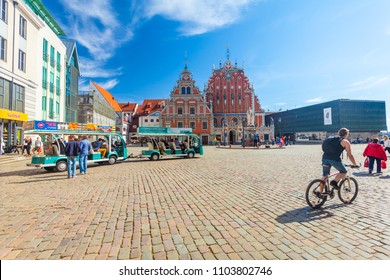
(361, 117)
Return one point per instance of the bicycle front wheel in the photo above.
(348, 190)
(312, 198)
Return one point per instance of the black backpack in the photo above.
(330, 145)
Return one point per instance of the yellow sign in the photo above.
(13, 115)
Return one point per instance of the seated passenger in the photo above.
(150, 145)
(161, 147)
(182, 147)
(172, 146)
(55, 149)
(62, 146)
(98, 145)
(103, 148)
(186, 145)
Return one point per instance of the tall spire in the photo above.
(227, 53)
(185, 59)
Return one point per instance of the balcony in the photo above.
(58, 67)
(45, 57)
(51, 87)
(58, 91)
(52, 62)
(44, 84)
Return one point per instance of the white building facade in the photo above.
(32, 67)
(19, 78)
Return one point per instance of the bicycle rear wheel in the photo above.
(312, 199)
(348, 190)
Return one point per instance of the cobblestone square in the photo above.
(228, 204)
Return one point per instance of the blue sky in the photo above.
(295, 52)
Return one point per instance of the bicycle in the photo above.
(347, 189)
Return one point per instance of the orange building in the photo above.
(237, 113)
(188, 108)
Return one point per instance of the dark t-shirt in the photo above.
(335, 154)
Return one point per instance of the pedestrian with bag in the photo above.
(85, 148)
(72, 150)
(28, 145)
(375, 152)
(37, 146)
(386, 144)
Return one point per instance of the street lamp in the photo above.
(224, 131)
(243, 132)
(280, 126)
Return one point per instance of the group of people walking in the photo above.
(72, 150)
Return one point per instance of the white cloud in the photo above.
(83, 84)
(369, 83)
(197, 16)
(94, 24)
(95, 69)
(107, 85)
(316, 100)
(97, 26)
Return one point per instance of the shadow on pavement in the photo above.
(43, 180)
(307, 214)
(365, 174)
(23, 173)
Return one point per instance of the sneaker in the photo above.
(379, 172)
(334, 184)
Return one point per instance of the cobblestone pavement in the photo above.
(228, 204)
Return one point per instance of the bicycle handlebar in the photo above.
(353, 166)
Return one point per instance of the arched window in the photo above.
(222, 122)
(188, 90)
(183, 90)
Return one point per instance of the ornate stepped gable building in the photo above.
(188, 108)
(236, 110)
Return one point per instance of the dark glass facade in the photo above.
(356, 115)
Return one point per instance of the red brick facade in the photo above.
(187, 108)
(234, 104)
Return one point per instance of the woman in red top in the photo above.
(375, 152)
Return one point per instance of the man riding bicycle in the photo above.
(332, 157)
